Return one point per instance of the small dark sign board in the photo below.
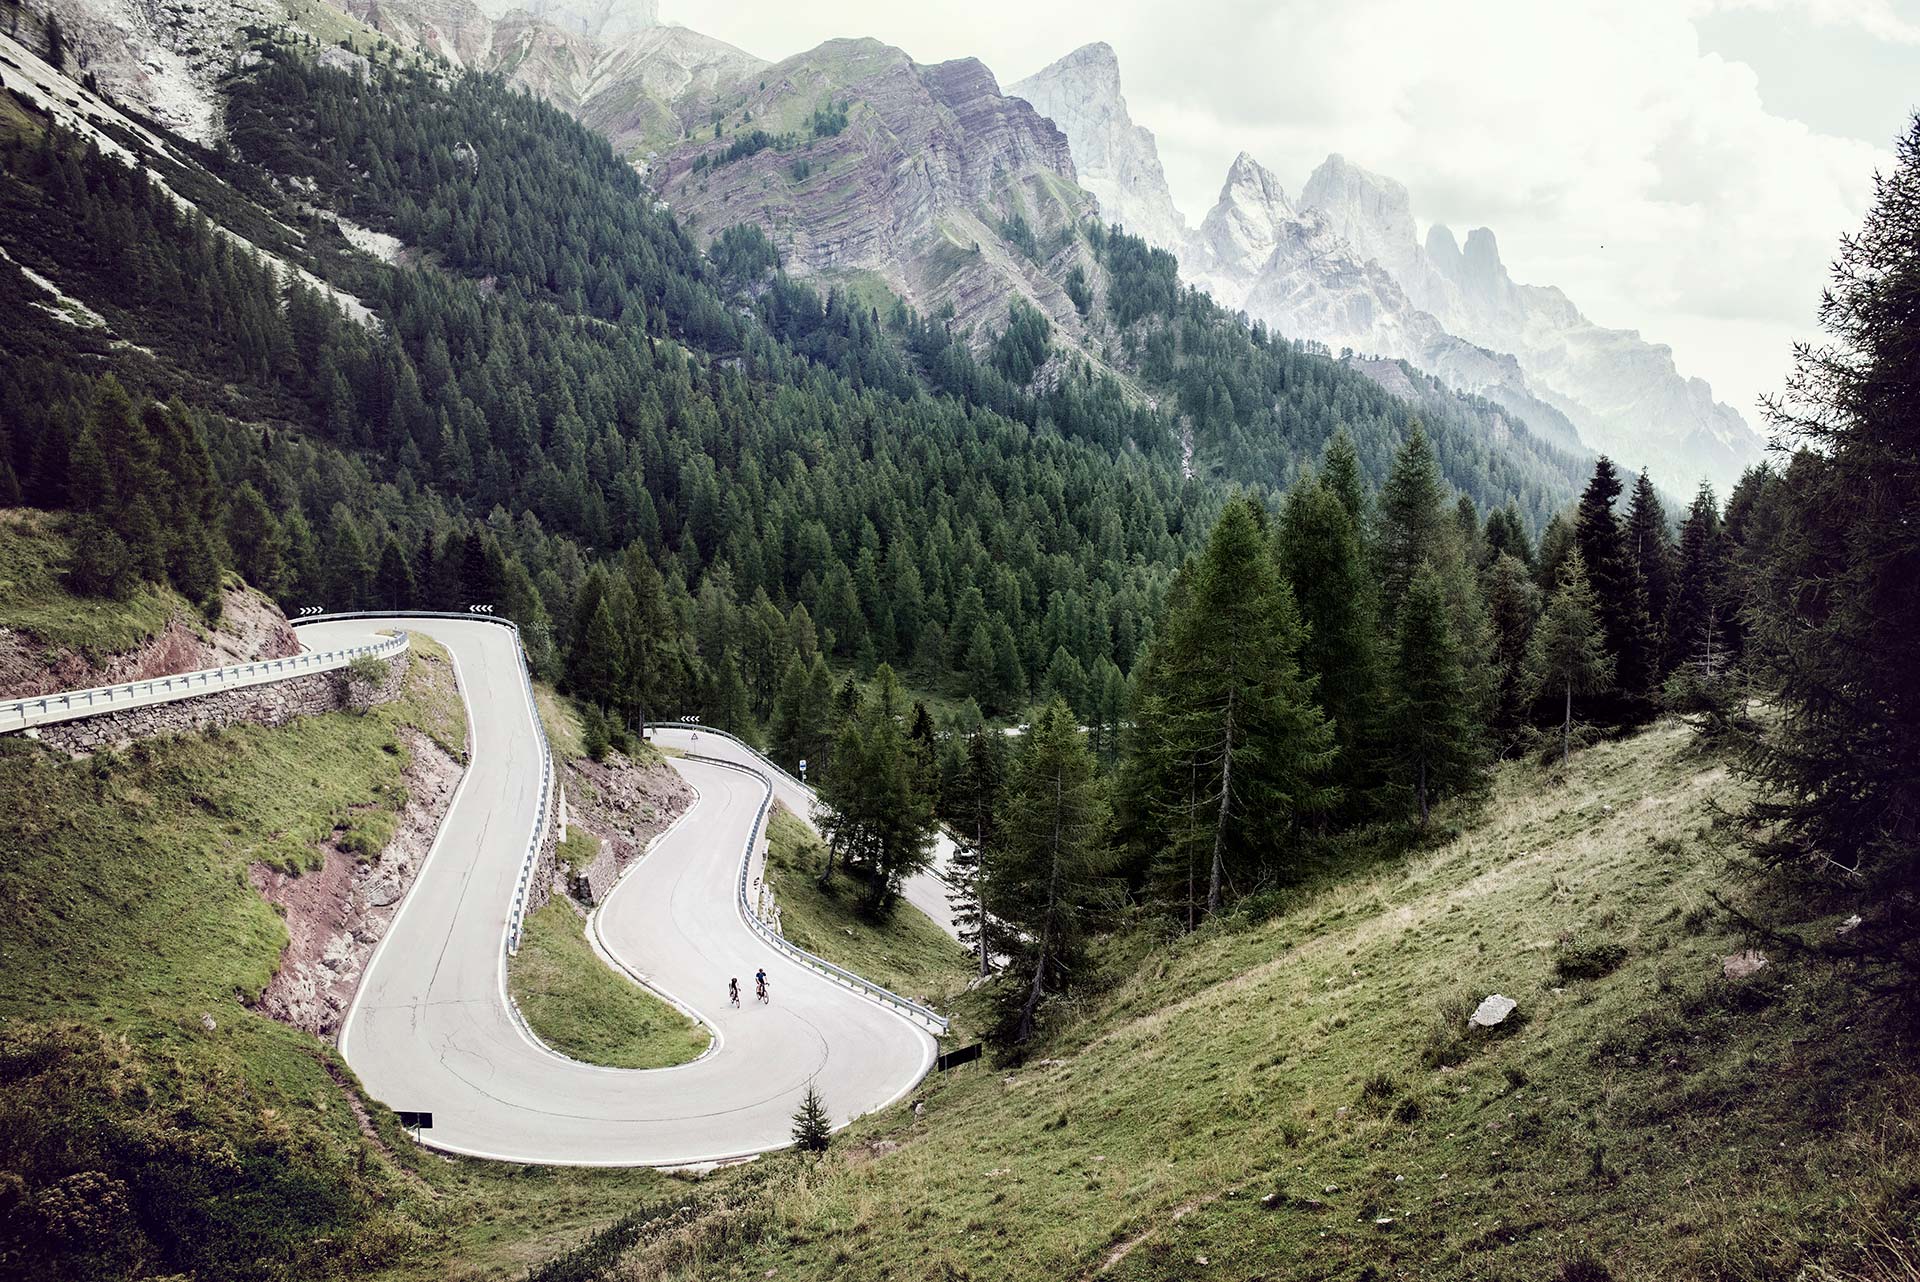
(415, 1121)
(955, 1058)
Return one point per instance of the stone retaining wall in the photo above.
(271, 703)
(602, 872)
(547, 877)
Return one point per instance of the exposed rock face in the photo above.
(606, 61)
(336, 915)
(164, 56)
(458, 30)
(1116, 159)
(1624, 393)
(914, 189)
(1290, 267)
(1374, 214)
(251, 627)
(596, 19)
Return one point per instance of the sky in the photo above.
(1679, 167)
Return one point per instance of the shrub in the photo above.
(1583, 1267)
(1588, 961)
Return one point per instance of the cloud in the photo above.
(1875, 18)
(1613, 156)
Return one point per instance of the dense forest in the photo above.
(1272, 620)
(562, 404)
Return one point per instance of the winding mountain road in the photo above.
(431, 1028)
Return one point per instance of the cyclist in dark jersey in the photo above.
(760, 983)
(733, 991)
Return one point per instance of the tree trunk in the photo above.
(1566, 728)
(1044, 956)
(980, 890)
(1226, 811)
(1423, 793)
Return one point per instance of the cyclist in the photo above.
(760, 983)
(733, 990)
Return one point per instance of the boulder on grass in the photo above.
(1492, 1012)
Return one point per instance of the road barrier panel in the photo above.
(859, 983)
(517, 911)
(76, 705)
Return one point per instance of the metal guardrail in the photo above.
(516, 916)
(74, 705)
(860, 984)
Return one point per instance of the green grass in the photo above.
(1263, 1093)
(565, 735)
(128, 918)
(578, 851)
(907, 953)
(32, 599)
(576, 1004)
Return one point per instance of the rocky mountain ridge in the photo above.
(1343, 265)
(860, 161)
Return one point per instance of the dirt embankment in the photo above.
(623, 804)
(337, 915)
(251, 627)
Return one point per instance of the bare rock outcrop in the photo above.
(251, 627)
(336, 915)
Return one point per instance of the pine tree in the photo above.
(972, 810)
(812, 1128)
(1321, 558)
(1619, 596)
(1513, 604)
(1697, 616)
(1836, 612)
(393, 585)
(1568, 654)
(1231, 707)
(1650, 547)
(1410, 521)
(1430, 724)
(1046, 868)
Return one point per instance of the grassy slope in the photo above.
(580, 1007)
(128, 917)
(1668, 1121)
(33, 600)
(908, 953)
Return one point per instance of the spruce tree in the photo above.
(1340, 471)
(1650, 546)
(1410, 521)
(1568, 653)
(258, 543)
(1046, 869)
(1322, 560)
(1697, 615)
(393, 585)
(1836, 612)
(1232, 709)
(812, 1128)
(1431, 727)
(1619, 595)
(972, 810)
(1513, 604)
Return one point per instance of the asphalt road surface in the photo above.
(431, 1028)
